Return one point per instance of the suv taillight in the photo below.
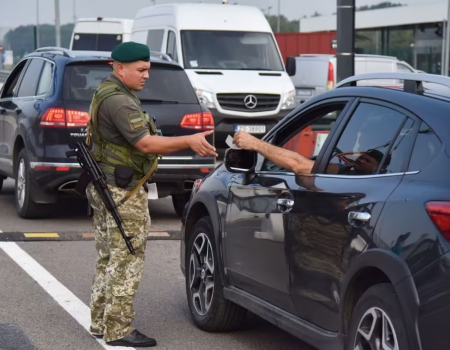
(199, 121)
(439, 213)
(60, 118)
(330, 79)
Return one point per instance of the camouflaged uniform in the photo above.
(120, 120)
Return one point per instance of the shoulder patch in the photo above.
(136, 121)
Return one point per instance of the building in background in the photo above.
(414, 34)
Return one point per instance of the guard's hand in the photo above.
(199, 145)
(244, 140)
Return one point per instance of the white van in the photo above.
(231, 57)
(316, 73)
(100, 34)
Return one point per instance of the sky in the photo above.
(17, 15)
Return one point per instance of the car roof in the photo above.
(73, 56)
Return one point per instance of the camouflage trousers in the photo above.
(118, 273)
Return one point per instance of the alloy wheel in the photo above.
(376, 332)
(201, 274)
(21, 183)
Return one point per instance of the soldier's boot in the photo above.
(135, 339)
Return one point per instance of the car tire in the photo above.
(179, 201)
(209, 309)
(378, 305)
(26, 208)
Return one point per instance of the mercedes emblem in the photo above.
(250, 101)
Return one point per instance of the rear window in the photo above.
(311, 73)
(167, 84)
(95, 42)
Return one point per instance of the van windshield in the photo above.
(95, 42)
(230, 50)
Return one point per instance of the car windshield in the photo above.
(95, 42)
(164, 84)
(230, 50)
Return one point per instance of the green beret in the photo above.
(130, 52)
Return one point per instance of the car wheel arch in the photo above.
(383, 267)
(19, 144)
(204, 204)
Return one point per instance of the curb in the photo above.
(76, 236)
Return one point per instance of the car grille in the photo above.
(237, 102)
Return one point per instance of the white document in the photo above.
(152, 191)
(230, 143)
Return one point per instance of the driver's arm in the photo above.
(284, 158)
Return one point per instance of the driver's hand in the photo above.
(199, 145)
(244, 140)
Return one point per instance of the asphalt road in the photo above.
(36, 314)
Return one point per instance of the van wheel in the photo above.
(210, 311)
(179, 201)
(25, 206)
(377, 321)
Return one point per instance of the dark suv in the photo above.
(353, 256)
(44, 107)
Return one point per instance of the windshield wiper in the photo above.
(257, 68)
(150, 100)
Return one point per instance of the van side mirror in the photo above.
(291, 66)
(240, 160)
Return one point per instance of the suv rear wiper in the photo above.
(157, 101)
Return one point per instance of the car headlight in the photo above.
(289, 101)
(205, 97)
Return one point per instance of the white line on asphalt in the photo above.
(64, 297)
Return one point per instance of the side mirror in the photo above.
(291, 66)
(240, 160)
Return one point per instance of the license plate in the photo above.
(251, 129)
(304, 92)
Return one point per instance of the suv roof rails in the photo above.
(413, 82)
(53, 49)
(160, 55)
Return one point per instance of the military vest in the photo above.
(108, 154)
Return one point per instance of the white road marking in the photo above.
(64, 297)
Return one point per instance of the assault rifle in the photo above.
(92, 172)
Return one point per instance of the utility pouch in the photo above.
(123, 175)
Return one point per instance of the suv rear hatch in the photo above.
(168, 96)
(314, 75)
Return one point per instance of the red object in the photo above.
(48, 168)
(198, 121)
(330, 79)
(61, 118)
(304, 142)
(294, 44)
(439, 213)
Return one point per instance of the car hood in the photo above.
(229, 81)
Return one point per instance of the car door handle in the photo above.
(362, 217)
(285, 204)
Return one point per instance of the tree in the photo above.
(286, 26)
(381, 5)
(21, 39)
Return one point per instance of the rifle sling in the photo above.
(139, 184)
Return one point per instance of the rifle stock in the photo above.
(92, 172)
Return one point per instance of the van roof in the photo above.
(125, 24)
(328, 56)
(199, 16)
